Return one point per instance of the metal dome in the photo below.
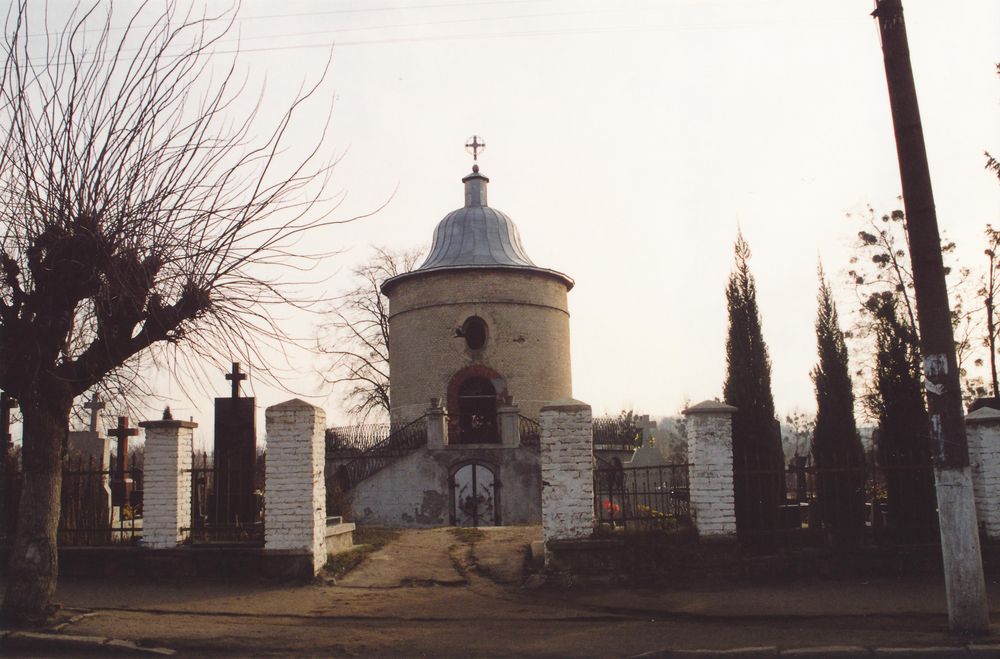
(477, 236)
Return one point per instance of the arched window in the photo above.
(474, 331)
(477, 412)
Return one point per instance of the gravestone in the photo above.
(89, 449)
(8, 470)
(235, 455)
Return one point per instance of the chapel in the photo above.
(479, 342)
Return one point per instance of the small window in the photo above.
(474, 331)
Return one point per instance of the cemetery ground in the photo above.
(450, 592)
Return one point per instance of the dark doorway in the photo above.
(477, 412)
(474, 500)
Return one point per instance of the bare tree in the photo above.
(140, 209)
(355, 338)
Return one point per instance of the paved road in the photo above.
(434, 594)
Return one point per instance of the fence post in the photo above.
(984, 457)
(510, 429)
(437, 434)
(295, 494)
(567, 458)
(710, 454)
(166, 498)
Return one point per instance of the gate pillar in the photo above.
(166, 505)
(710, 454)
(984, 457)
(567, 457)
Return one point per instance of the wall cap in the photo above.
(709, 407)
(167, 424)
(983, 415)
(565, 405)
(294, 404)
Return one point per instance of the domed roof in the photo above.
(476, 237)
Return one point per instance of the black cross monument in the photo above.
(235, 455)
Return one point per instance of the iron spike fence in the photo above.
(223, 510)
(399, 443)
(617, 432)
(651, 498)
(345, 442)
(530, 431)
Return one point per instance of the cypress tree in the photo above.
(903, 440)
(758, 460)
(836, 446)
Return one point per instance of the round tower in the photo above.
(477, 324)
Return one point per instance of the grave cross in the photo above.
(95, 405)
(122, 433)
(646, 426)
(236, 378)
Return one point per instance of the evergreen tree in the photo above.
(758, 461)
(903, 441)
(836, 446)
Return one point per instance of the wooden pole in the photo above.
(966, 591)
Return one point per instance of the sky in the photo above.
(630, 142)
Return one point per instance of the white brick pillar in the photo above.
(295, 492)
(983, 431)
(437, 433)
(166, 498)
(510, 428)
(567, 457)
(710, 470)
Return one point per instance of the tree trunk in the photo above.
(34, 565)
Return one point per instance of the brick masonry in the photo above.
(983, 427)
(295, 496)
(567, 450)
(166, 505)
(710, 453)
(527, 336)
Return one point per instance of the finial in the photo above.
(475, 169)
(167, 415)
(474, 145)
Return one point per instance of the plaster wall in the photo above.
(527, 336)
(413, 490)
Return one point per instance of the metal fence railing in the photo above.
(227, 504)
(617, 432)
(642, 498)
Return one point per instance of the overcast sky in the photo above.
(629, 141)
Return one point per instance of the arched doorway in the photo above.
(474, 495)
(477, 412)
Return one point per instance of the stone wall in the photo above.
(167, 482)
(710, 475)
(296, 492)
(567, 456)
(527, 336)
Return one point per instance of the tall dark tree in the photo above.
(903, 446)
(139, 209)
(836, 445)
(758, 461)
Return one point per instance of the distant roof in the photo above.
(476, 237)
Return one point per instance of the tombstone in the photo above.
(647, 455)
(89, 448)
(8, 470)
(121, 479)
(235, 456)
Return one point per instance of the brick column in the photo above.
(510, 428)
(166, 504)
(710, 454)
(567, 458)
(983, 428)
(295, 493)
(437, 432)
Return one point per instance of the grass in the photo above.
(367, 539)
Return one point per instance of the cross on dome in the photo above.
(474, 146)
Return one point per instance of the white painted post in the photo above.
(295, 494)
(567, 457)
(437, 432)
(166, 505)
(510, 429)
(710, 477)
(983, 427)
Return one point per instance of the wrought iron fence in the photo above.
(407, 438)
(867, 503)
(352, 441)
(227, 503)
(642, 498)
(618, 432)
(530, 431)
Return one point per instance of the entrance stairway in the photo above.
(401, 442)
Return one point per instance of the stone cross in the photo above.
(647, 427)
(236, 377)
(95, 405)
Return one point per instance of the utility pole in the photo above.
(963, 568)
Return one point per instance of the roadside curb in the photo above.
(16, 640)
(818, 652)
